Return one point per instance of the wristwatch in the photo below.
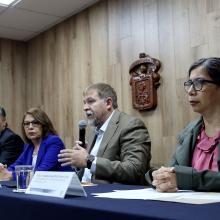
(90, 158)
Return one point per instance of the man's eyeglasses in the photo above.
(197, 84)
(34, 123)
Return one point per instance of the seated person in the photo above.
(196, 162)
(42, 148)
(121, 151)
(11, 145)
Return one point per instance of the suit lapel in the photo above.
(185, 153)
(90, 142)
(112, 126)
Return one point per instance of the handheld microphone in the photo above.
(82, 132)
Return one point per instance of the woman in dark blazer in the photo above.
(196, 162)
(43, 145)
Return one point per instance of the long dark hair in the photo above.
(211, 65)
(40, 116)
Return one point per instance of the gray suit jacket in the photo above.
(187, 177)
(124, 153)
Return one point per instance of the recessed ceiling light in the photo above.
(8, 2)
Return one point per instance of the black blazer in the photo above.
(11, 146)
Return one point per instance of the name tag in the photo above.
(55, 184)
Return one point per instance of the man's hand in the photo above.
(164, 179)
(73, 157)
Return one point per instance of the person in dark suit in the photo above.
(42, 148)
(195, 164)
(11, 144)
(122, 150)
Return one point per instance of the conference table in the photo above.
(34, 207)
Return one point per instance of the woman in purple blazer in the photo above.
(43, 145)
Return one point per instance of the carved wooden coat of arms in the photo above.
(144, 82)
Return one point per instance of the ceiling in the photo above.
(29, 18)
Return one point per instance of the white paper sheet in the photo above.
(151, 194)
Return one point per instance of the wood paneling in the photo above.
(99, 44)
(13, 81)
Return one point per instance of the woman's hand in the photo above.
(164, 179)
(4, 173)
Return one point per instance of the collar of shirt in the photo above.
(100, 134)
(105, 125)
(88, 173)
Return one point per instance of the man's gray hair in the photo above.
(105, 91)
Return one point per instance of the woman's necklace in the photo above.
(35, 152)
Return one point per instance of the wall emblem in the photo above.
(144, 82)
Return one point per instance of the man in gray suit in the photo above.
(121, 151)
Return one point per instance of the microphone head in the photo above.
(82, 124)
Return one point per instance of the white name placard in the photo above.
(55, 184)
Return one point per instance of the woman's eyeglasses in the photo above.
(197, 84)
(34, 123)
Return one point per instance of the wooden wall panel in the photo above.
(13, 81)
(100, 43)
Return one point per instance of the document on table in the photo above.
(181, 196)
